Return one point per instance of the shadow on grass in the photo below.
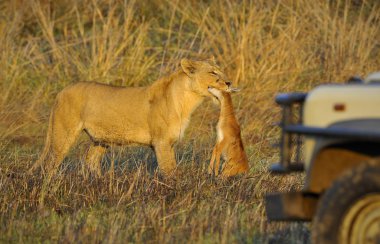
(292, 233)
(130, 158)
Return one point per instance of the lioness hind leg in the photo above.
(62, 133)
(62, 140)
(94, 156)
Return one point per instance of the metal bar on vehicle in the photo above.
(298, 136)
(286, 139)
(287, 102)
(337, 132)
(288, 99)
(278, 168)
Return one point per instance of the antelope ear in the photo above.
(188, 66)
(235, 89)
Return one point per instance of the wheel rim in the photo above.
(362, 222)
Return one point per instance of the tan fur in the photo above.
(156, 115)
(229, 144)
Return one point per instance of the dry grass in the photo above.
(265, 47)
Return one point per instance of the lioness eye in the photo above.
(213, 73)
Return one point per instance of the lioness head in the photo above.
(204, 75)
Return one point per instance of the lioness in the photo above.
(155, 115)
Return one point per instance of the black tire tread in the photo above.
(351, 186)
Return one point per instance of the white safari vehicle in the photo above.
(335, 129)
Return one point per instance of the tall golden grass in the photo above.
(265, 47)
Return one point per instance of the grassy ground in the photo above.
(265, 47)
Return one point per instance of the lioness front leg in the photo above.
(165, 157)
(94, 157)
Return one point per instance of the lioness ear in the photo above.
(188, 66)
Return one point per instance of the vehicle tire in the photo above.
(349, 211)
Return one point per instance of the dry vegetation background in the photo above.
(265, 47)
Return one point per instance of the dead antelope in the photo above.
(229, 143)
